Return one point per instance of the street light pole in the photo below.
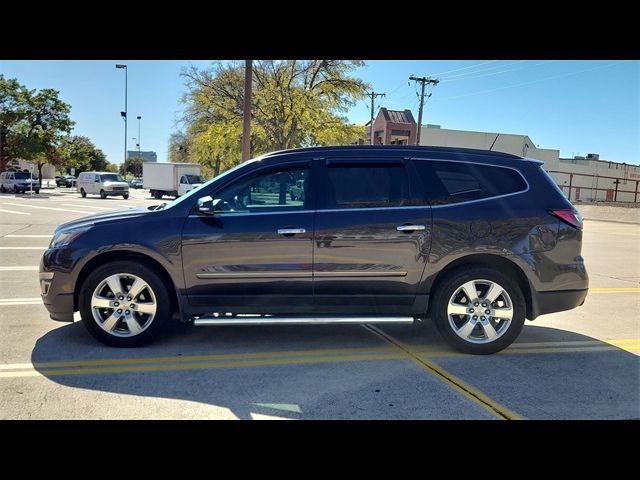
(124, 114)
(139, 156)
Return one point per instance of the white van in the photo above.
(17, 182)
(102, 183)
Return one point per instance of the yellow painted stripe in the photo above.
(201, 366)
(431, 350)
(195, 358)
(615, 290)
(476, 396)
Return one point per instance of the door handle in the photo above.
(290, 231)
(410, 228)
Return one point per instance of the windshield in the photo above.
(21, 176)
(111, 177)
(205, 186)
(191, 179)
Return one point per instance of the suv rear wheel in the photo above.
(83, 193)
(124, 304)
(478, 310)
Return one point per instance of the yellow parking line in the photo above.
(201, 366)
(196, 358)
(615, 290)
(476, 396)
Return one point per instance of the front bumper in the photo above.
(56, 298)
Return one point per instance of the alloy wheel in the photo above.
(123, 305)
(480, 311)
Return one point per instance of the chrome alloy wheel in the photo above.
(123, 305)
(480, 311)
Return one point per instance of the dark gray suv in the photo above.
(475, 240)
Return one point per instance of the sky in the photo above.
(578, 107)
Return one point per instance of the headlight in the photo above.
(65, 237)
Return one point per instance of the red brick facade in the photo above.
(393, 127)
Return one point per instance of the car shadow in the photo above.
(297, 372)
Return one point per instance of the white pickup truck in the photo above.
(171, 179)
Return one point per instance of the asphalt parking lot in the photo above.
(581, 364)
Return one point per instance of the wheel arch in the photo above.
(496, 262)
(115, 255)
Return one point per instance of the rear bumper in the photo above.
(556, 301)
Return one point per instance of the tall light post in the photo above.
(139, 118)
(124, 114)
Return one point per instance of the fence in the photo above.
(613, 192)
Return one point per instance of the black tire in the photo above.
(37, 190)
(103, 195)
(453, 281)
(157, 195)
(2, 189)
(125, 196)
(153, 279)
(83, 193)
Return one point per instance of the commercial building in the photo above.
(20, 165)
(582, 179)
(393, 127)
(146, 156)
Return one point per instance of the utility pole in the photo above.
(373, 96)
(423, 81)
(246, 124)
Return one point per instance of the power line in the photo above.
(499, 72)
(535, 81)
(481, 71)
(465, 68)
(422, 81)
(373, 96)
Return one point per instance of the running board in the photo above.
(275, 320)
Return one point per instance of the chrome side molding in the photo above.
(291, 320)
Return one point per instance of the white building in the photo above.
(581, 178)
(20, 165)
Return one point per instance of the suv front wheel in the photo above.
(124, 304)
(479, 310)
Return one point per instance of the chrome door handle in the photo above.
(410, 228)
(290, 231)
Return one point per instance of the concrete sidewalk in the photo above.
(610, 213)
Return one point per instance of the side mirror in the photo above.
(206, 205)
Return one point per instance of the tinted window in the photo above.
(453, 182)
(282, 190)
(368, 187)
(21, 176)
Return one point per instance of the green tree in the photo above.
(81, 154)
(13, 112)
(294, 103)
(36, 124)
(132, 165)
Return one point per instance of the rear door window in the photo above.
(368, 185)
(454, 182)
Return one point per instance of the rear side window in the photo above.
(362, 186)
(454, 182)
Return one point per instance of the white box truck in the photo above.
(171, 179)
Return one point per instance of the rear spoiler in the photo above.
(534, 160)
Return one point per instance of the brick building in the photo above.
(393, 127)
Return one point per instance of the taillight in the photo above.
(570, 216)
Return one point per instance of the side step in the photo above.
(302, 320)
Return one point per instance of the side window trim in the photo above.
(466, 202)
